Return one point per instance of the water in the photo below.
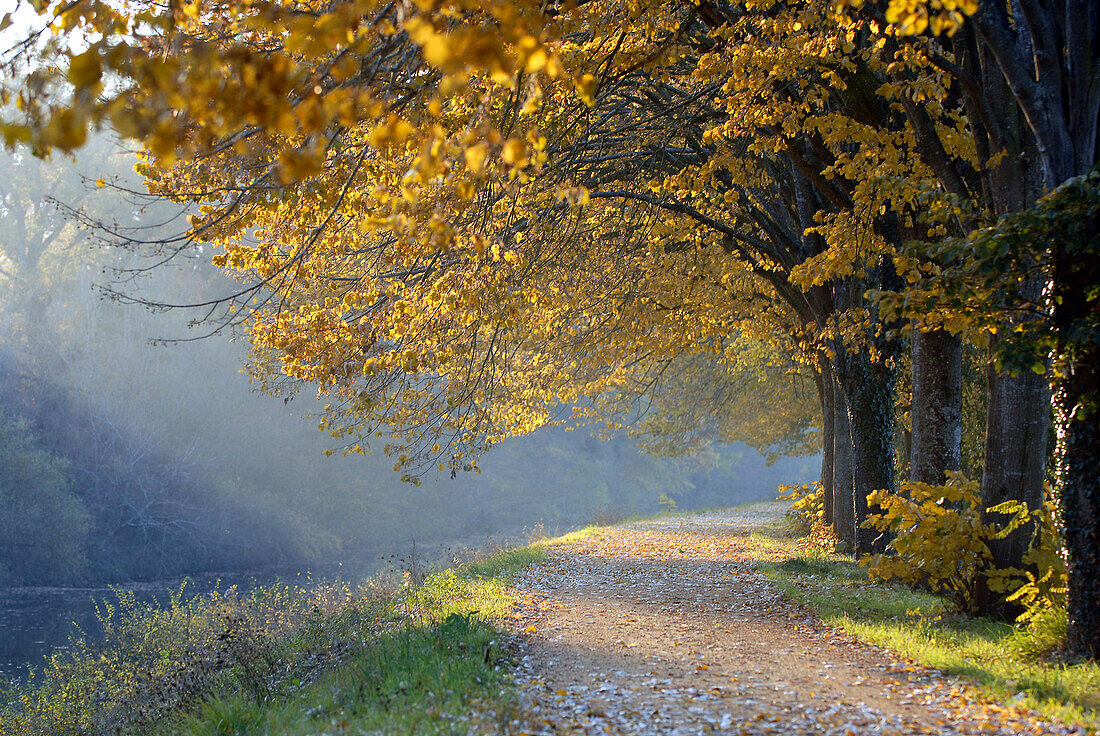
(34, 622)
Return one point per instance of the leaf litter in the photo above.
(666, 627)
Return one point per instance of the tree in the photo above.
(1052, 65)
(1031, 77)
(454, 143)
(43, 528)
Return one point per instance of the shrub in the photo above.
(937, 539)
(806, 516)
(1041, 586)
(156, 660)
(807, 506)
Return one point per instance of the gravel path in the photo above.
(665, 627)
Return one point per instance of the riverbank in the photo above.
(38, 621)
(395, 651)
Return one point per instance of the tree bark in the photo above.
(844, 509)
(826, 391)
(1076, 406)
(1078, 472)
(1051, 63)
(869, 393)
(1016, 434)
(936, 439)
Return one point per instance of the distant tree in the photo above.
(42, 524)
(42, 246)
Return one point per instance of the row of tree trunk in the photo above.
(858, 409)
(857, 400)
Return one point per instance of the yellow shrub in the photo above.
(1041, 586)
(938, 539)
(807, 515)
(807, 505)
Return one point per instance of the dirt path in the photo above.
(665, 627)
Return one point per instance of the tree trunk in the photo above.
(826, 392)
(1076, 406)
(936, 440)
(1078, 468)
(869, 392)
(1016, 434)
(844, 509)
(1017, 429)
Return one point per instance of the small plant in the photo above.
(413, 570)
(536, 533)
(1040, 587)
(667, 503)
(807, 506)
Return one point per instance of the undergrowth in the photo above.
(1008, 663)
(404, 654)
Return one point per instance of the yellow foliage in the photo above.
(937, 540)
(420, 193)
(807, 515)
(936, 537)
(1041, 586)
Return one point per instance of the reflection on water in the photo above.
(37, 621)
(34, 621)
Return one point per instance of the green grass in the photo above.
(503, 565)
(443, 671)
(439, 677)
(997, 657)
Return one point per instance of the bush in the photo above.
(938, 541)
(156, 660)
(1041, 586)
(806, 516)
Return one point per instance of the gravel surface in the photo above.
(665, 627)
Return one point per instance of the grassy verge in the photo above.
(419, 656)
(999, 658)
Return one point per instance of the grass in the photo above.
(418, 655)
(444, 670)
(1002, 661)
(426, 678)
